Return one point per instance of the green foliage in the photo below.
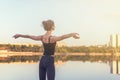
(63, 49)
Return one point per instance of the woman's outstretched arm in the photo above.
(28, 36)
(74, 35)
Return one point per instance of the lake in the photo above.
(67, 70)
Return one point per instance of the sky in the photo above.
(94, 20)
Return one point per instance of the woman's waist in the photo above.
(48, 55)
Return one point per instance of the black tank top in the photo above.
(49, 48)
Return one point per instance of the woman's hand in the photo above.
(76, 35)
(16, 36)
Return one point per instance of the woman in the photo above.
(46, 65)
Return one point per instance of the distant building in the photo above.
(118, 41)
(114, 40)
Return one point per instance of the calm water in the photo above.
(69, 70)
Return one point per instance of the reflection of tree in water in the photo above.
(63, 57)
(112, 61)
(85, 58)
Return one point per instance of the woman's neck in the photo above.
(48, 32)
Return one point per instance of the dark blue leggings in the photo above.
(46, 66)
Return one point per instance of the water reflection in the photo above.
(67, 68)
(112, 61)
(115, 67)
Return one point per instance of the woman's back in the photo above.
(49, 46)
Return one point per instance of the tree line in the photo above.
(62, 49)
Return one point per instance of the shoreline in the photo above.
(8, 54)
(56, 63)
